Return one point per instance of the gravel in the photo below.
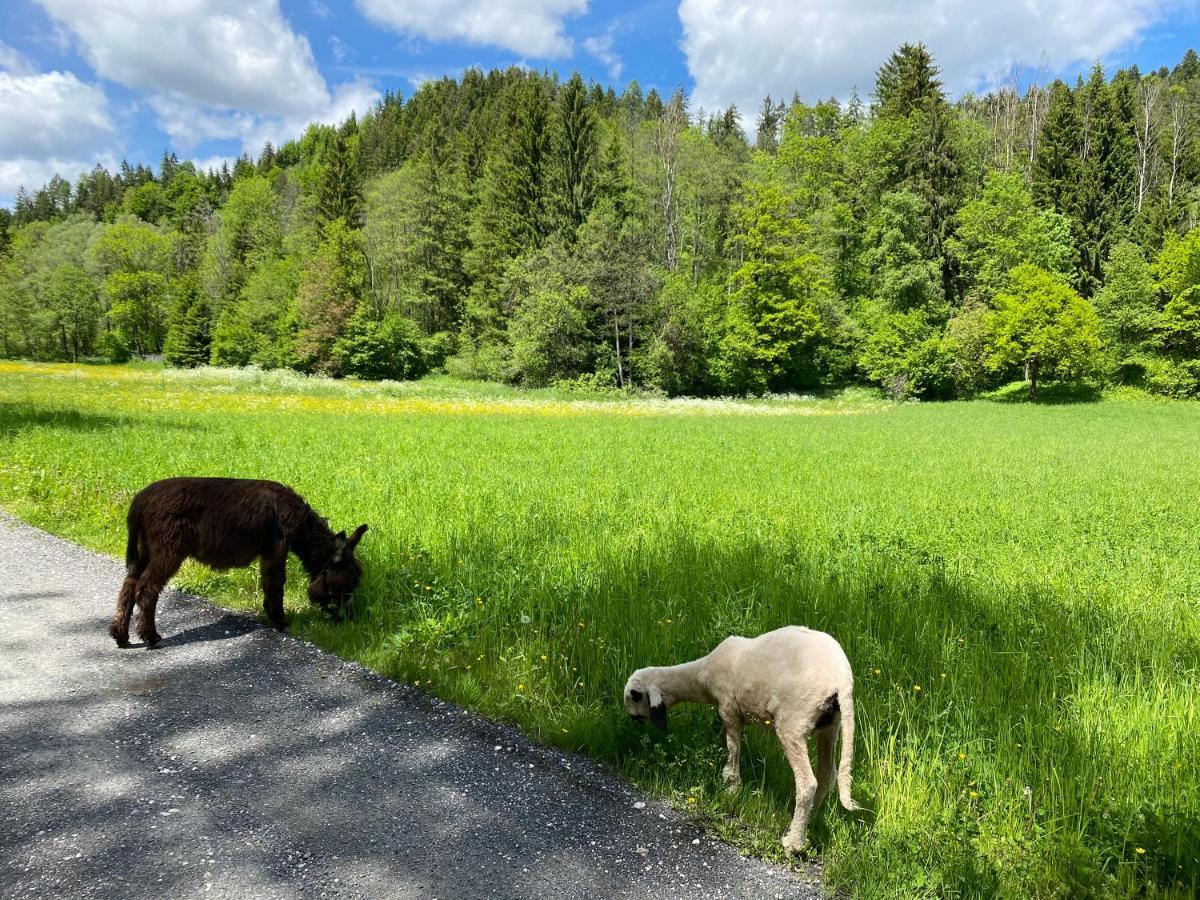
(237, 762)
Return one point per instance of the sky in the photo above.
(97, 81)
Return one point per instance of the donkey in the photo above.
(227, 523)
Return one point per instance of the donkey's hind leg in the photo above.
(154, 579)
(119, 629)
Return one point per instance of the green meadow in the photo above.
(1017, 586)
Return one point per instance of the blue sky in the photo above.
(86, 81)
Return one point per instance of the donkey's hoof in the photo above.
(152, 642)
(122, 643)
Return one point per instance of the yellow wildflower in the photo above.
(1141, 851)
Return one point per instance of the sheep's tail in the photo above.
(846, 702)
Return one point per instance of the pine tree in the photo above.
(341, 193)
(907, 82)
(1056, 165)
(575, 148)
(770, 117)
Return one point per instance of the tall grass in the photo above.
(1016, 586)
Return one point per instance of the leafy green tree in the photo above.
(415, 237)
(1128, 308)
(1041, 324)
(1003, 229)
(146, 201)
(904, 278)
(777, 295)
(682, 337)
(549, 334)
(74, 310)
(331, 286)
(907, 355)
(1178, 272)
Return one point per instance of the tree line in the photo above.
(512, 226)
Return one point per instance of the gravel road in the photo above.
(237, 762)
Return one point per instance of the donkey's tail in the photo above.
(846, 702)
(133, 555)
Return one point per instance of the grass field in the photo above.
(1017, 586)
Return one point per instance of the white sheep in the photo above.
(792, 679)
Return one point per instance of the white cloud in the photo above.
(601, 47)
(54, 114)
(12, 60)
(529, 27)
(237, 54)
(212, 69)
(340, 49)
(189, 124)
(737, 52)
(53, 123)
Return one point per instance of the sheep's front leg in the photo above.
(795, 747)
(732, 773)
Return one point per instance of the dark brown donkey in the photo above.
(227, 523)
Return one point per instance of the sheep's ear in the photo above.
(658, 709)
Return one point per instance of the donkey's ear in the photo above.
(356, 537)
(340, 537)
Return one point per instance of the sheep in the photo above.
(793, 679)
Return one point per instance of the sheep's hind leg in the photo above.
(795, 747)
(732, 772)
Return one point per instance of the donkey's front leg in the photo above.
(274, 576)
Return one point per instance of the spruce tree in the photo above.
(575, 147)
(907, 82)
(341, 194)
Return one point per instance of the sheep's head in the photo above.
(644, 701)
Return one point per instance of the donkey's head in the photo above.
(332, 586)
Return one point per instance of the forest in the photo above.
(515, 227)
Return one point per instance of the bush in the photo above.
(391, 347)
(114, 347)
(1173, 378)
(909, 357)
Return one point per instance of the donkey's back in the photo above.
(224, 523)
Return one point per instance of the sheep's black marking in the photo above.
(658, 715)
(829, 710)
